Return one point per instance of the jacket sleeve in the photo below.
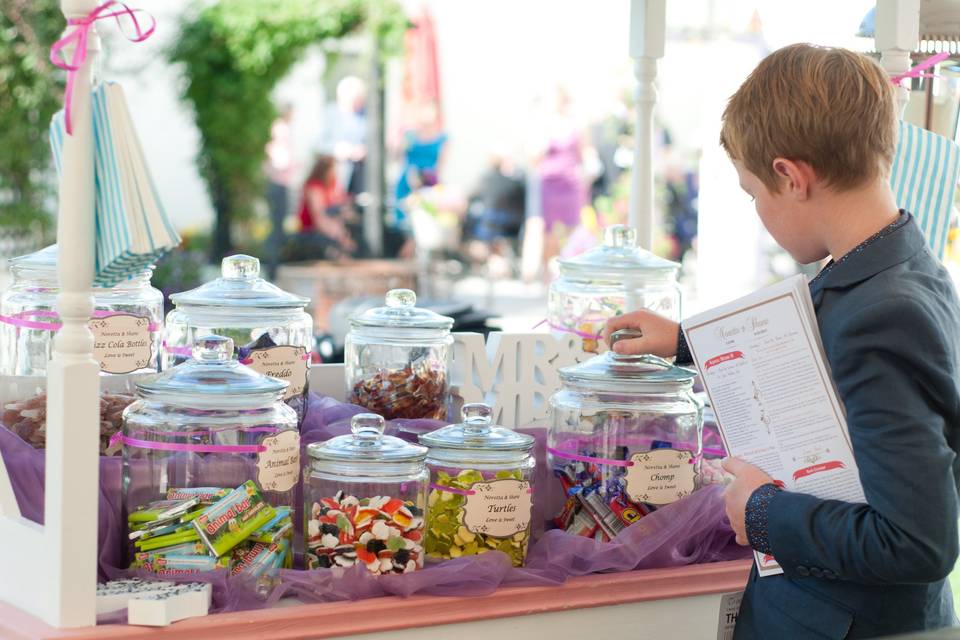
(893, 366)
(683, 350)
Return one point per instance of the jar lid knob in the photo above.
(623, 334)
(401, 298)
(213, 349)
(620, 235)
(367, 428)
(477, 417)
(240, 267)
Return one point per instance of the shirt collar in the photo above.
(894, 244)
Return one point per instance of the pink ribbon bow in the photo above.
(917, 71)
(79, 37)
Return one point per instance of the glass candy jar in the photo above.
(396, 359)
(481, 488)
(127, 323)
(614, 278)
(626, 438)
(213, 423)
(364, 497)
(270, 329)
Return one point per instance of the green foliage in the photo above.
(30, 95)
(233, 54)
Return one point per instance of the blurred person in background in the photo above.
(497, 210)
(611, 139)
(280, 168)
(424, 150)
(323, 206)
(561, 177)
(343, 135)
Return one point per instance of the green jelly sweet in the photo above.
(447, 538)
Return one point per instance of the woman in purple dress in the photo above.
(561, 178)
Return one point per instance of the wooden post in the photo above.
(374, 164)
(647, 35)
(50, 571)
(73, 383)
(895, 37)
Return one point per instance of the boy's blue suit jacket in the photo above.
(890, 324)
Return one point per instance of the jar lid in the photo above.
(46, 260)
(618, 256)
(239, 285)
(401, 312)
(213, 374)
(477, 432)
(366, 443)
(614, 372)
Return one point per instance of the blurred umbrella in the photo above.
(421, 74)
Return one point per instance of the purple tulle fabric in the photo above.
(693, 530)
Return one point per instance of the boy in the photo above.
(812, 133)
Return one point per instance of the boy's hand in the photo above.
(746, 480)
(659, 334)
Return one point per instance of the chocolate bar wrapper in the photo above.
(167, 528)
(187, 534)
(261, 558)
(233, 518)
(183, 549)
(279, 527)
(281, 514)
(206, 495)
(282, 531)
(160, 510)
(175, 564)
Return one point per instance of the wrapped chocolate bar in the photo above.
(364, 497)
(626, 439)
(208, 424)
(396, 359)
(233, 519)
(481, 488)
(211, 528)
(272, 333)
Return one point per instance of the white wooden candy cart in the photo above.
(48, 573)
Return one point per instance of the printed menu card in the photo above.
(764, 369)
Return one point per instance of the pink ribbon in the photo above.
(917, 71)
(188, 352)
(193, 448)
(579, 458)
(576, 332)
(201, 432)
(560, 453)
(249, 361)
(573, 443)
(177, 351)
(20, 319)
(79, 36)
(461, 492)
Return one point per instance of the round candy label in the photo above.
(660, 476)
(284, 363)
(278, 466)
(499, 508)
(122, 342)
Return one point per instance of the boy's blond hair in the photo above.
(831, 108)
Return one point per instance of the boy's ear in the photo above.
(796, 177)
